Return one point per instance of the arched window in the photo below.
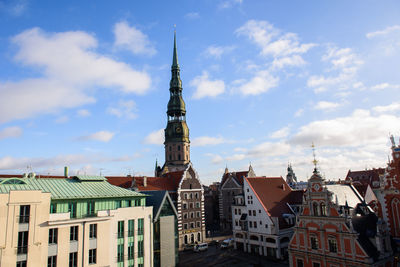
(170, 157)
(270, 240)
(179, 156)
(323, 209)
(192, 238)
(315, 209)
(186, 239)
(253, 237)
(199, 237)
(179, 148)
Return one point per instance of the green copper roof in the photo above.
(91, 178)
(175, 56)
(68, 188)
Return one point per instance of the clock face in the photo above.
(397, 155)
(178, 129)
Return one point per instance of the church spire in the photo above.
(175, 55)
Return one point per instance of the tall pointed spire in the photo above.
(175, 54)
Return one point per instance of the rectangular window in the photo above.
(91, 208)
(53, 208)
(332, 245)
(131, 227)
(140, 248)
(127, 203)
(255, 224)
(198, 205)
(140, 226)
(314, 242)
(73, 233)
(52, 261)
(198, 214)
(118, 204)
(130, 250)
(254, 212)
(198, 224)
(73, 259)
(299, 263)
(24, 212)
(53, 235)
(22, 242)
(316, 264)
(72, 209)
(93, 230)
(192, 225)
(236, 223)
(120, 229)
(250, 213)
(120, 253)
(21, 263)
(259, 211)
(92, 256)
(185, 226)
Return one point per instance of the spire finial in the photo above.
(315, 161)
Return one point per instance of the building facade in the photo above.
(336, 228)
(78, 221)
(264, 216)
(231, 186)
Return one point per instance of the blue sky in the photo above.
(85, 84)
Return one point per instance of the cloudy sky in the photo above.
(85, 84)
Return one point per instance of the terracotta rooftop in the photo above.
(121, 181)
(274, 194)
(366, 177)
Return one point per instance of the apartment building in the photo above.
(72, 222)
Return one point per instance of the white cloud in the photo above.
(70, 67)
(383, 86)
(272, 41)
(383, 32)
(388, 108)
(325, 105)
(281, 133)
(344, 66)
(102, 136)
(299, 112)
(206, 87)
(294, 60)
(217, 51)
(123, 109)
(207, 140)
(358, 129)
(155, 138)
(132, 39)
(269, 149)
(260, 83)
(215, 159)
(229, 3)
(236, 157)
(83, 113)
(192, 15)
(10, 132)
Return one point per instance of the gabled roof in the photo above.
(365, 177)
(69, 188)
(157, 200)
(274, 194)
(238, 176)
(121, 181)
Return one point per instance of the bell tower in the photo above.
(177, 143)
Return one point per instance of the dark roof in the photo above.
(157, 199)
(238, 176)
(366, 227)
(275, 195)
(366, 177)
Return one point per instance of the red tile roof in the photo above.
(366, 177)
(167, 182)
(274, 194)
(121, 181)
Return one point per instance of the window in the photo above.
(120, 229)
(90, 208)
(323, 209)
(185, 216)
(179, 156)
(140, 248)
(250, 213)
(197, 204)
(184, 206)
(315, 209)
(314, 242)
(192, 225)
(235, 211)
(316, 264)
(255, 224)
(191, 205)
(52, 261)
(93, 230)
(73, 259)
(259, 211)
(73, 233)
(53, 235)
(118, 204)
(120, 253)
(127, 203)
(185, 226)
(72, 209)
(22, 242)
(185, 196)
(130, 250)
(131, 227)
(240, 212)
(192, 215)
(190, 196)
(198, 224)
(198, 214)
(332, 245)
(24, 212)
(21, 263)
(196, 195)
(236, 223)
(92, 256)
(251, 224)
(299, 263)
(140, 226)
(254, 212)
(266, 226)
(53, 208)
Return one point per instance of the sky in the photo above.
(85, 84)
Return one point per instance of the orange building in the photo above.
(336, 228)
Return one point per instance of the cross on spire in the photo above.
(315, 161)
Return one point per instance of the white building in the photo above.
(264, 216)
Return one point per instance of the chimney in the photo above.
(66, 172)
(144, 181)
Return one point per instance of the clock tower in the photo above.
(177, 143)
